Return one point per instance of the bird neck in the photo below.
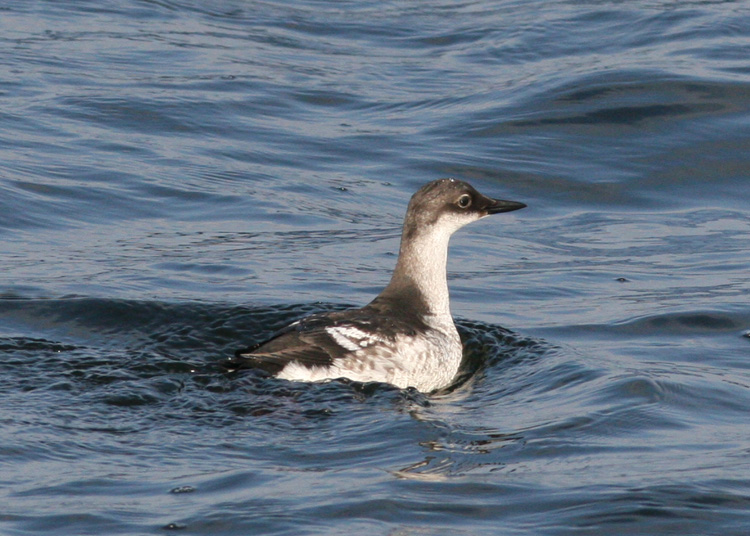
(420, 274)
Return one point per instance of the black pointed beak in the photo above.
(496, 206)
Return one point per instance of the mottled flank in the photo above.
(423, 361)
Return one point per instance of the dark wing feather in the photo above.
(305, 341)
(308, 343)
(273, 363)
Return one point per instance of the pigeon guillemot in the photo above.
(405, 336)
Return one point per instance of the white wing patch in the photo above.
(427, 362)
(352, 338)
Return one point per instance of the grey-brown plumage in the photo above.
(406, 335)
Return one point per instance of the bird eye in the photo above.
(464, 201)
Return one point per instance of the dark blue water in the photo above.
(180, 178)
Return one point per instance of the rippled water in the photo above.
(181, 178)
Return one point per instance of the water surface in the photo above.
(180, 179)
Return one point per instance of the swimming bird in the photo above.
(406, 336)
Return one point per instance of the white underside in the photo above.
(427, 362)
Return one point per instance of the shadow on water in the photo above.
(138, 366)
(135, 353)
(137, 384)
